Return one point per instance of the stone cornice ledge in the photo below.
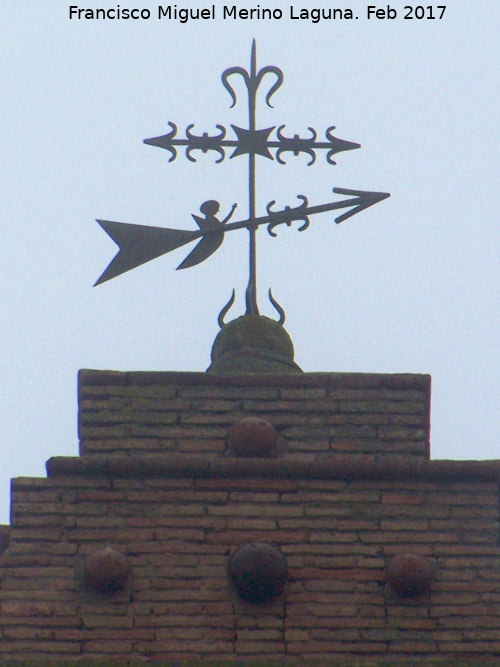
(354, 467)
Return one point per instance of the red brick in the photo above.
(277, 485)
(19, 632)
(327, 648)
(26, 609)
(261, 647)
(105, 647)
(413, 647)
(80, 634)
(107, 621)
(404, 499)
(39, 648)
(482, 649)
(253, 497)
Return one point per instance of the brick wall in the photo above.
(178, 512)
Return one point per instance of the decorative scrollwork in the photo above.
(296, 145)
(192, 142)
(288, 215)
(205, 142)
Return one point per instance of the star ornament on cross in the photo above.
(139, 244)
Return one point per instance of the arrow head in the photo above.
(139, 244)
(363, 200)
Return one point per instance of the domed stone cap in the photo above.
(410, 575)
(106, 570)
(258, 572)
(253, 437)
(253, 344)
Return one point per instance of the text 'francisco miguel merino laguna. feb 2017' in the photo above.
(228, 12)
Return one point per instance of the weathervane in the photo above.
(139, 244)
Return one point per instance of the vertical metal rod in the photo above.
(251, 293)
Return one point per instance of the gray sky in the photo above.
(410, 285)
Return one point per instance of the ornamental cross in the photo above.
(139, 244)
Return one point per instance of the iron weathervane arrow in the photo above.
(139, 244)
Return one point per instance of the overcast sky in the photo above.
(409, 285)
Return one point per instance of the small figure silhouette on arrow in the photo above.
(210, 242)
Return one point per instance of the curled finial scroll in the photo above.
(278, 307)
(227, 308)
(252, 82)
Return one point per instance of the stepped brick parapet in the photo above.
(317, 488)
